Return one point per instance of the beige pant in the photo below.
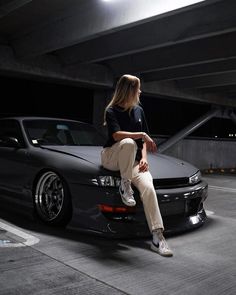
(121, 156)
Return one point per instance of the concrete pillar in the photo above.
(101, 100)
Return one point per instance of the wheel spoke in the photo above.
(50, 196)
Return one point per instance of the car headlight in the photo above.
(110, 181)
(195, 178)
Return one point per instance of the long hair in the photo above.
(126, 93)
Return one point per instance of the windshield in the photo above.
(62, 132)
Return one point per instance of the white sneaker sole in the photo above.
(157, 250)
(127, 203)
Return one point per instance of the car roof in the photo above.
(22, 118)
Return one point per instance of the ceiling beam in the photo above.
(47, 68)
(214, 19)
(226, 90)
(170, 89)
(194, 52)
(221, 79)
(89, 19)
(222, 66)
(8, 6)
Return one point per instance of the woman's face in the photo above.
(138, 90)
(134, 98)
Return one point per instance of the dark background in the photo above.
(27, 97)
(164, 116)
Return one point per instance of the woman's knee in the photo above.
(128, 143)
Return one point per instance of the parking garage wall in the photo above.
(205, 154)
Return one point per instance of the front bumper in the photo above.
(181, 208)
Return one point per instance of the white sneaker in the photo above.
(126, 192)
(161, 247)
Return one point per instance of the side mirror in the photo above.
(10, 142)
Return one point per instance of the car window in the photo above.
(10, 128)
(56, 132)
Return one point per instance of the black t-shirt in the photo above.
(119, 120)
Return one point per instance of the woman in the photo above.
(126, 151)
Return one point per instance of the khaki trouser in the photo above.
(121, 156)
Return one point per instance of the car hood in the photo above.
(161, 166)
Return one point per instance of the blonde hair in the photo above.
(126, 93)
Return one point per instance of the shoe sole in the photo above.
(127, 204)
(155, 249)
(124, 201)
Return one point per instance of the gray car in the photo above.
(51, 167)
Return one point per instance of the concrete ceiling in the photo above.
(179, 49)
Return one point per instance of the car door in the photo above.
(14, 170)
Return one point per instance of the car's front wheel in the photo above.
(52, 199)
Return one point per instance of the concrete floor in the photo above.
(58, 261)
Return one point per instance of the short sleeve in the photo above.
(144, 123)
(112, 122)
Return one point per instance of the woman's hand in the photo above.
(151, 145)
(143, 165)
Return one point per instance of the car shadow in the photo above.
(33, 225)
(111, 248)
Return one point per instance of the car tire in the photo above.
(52, 199)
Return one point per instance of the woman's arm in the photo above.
(119, 135)
(143, 163)
(150, 144)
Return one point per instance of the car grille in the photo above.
(170, 182)
(183, 208)
(172, 208)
